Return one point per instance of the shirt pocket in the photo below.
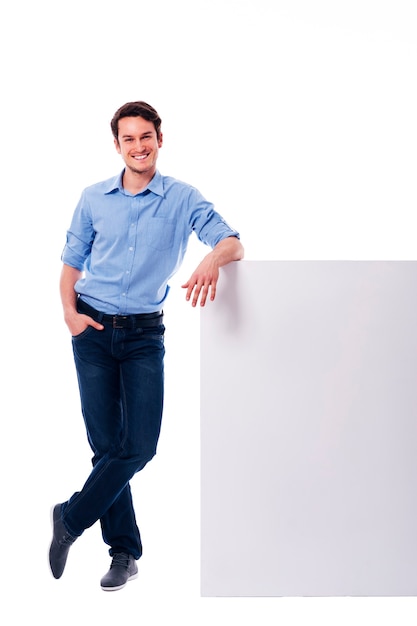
(160, 233)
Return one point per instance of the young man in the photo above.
(127, 238)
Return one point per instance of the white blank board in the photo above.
(309, 430)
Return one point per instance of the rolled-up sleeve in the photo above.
(80, 236)
(208, 225)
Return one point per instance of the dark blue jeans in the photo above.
(120, 376)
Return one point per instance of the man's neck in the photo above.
(135, 182)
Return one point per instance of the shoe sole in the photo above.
(51, 517)
(132, 577)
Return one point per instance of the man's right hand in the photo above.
(78, 322)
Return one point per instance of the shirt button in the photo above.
(131, 248)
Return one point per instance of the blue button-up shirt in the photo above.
(129, 246)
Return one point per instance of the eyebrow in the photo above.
(146, 134)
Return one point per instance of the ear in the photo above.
(160, 140)
(117, 145)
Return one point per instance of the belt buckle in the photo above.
(119, 321)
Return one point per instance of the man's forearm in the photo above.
(69, 276)
(228, 250)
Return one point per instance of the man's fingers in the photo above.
(197, 290)
(200, 289)
(97, 325)
(189, 287)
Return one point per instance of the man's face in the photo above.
(138, 144)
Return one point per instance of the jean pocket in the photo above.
(153, 334)
(83, 334)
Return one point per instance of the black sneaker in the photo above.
(61, 543)
(122, 569)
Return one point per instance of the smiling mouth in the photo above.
(140, 157)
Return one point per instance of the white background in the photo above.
(297, 118)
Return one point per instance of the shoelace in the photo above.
(120, 559)
(67, 539)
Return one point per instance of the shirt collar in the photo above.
(156, 185)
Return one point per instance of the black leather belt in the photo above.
(140, 320)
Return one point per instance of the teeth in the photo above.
(139, 158)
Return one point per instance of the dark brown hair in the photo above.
(136, 109)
